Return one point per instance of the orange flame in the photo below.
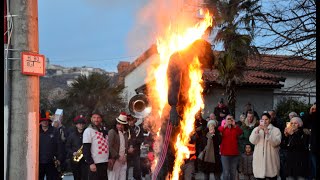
(171, 42)
(187, 124)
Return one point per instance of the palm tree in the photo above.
(91, 93)
(234, 22)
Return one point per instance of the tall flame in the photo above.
(187, 125)
(171, 42)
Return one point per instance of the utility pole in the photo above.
(23, 121)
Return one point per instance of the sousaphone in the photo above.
(139, 106)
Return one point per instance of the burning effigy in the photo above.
(176, 95)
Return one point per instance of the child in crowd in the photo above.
(245, 165)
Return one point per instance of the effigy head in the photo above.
(203, 50)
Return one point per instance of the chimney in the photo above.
(123, 66)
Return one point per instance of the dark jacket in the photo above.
(310, 123)
(297, 153)
(217, 110)
(74, 142)
(245, 164)
(50, 146)
(135, 138)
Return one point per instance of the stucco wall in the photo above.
(261, 99)
(300, 86)
(137, 77)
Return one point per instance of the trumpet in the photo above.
(78, 156)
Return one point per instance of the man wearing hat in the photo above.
(118, 143)
(50, 149)
(135, 139)
(75, 149)
(95, 148)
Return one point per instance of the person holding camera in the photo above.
(295, 142)
(230, 133)
(267, 139)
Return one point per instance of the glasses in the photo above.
(229, 118)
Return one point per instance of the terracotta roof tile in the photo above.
(282, 63)
(249, 78)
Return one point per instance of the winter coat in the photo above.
(266, 160)
(245, 164)
(244, 137)
(229, 142)
(114, 143)
(297, 154)
(217, 110)
(135, 138)
(50, 146)
(74, 142)
(212, 158)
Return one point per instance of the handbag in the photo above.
(201, 155)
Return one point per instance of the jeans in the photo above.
(229, 166)
(313, 165)
(283, 157)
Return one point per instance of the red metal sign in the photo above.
(33, 64)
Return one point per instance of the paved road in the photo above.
(199, 176)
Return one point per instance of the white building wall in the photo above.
(260, 98)
(300, 86)
(138, 77)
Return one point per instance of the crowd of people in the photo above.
(253, 147)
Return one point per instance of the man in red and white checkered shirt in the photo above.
(95, 148)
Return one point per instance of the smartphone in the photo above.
(288, 124)
(261, 122)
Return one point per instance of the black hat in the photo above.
(79, 119)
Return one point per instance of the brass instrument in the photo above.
(78, 156)
(139, 106)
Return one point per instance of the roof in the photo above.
(250, 78)
(144, 56)
(281, 63)
(259, 68)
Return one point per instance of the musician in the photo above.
(135, 138)
(74, 150)
(50, 149)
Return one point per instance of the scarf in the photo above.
(209, 155)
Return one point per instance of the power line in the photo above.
(79, 59)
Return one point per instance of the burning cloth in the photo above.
(179, 84)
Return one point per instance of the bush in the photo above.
(285, 106)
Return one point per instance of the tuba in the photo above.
(139, 106)
(78, 156)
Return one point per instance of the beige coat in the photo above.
(266, 162)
